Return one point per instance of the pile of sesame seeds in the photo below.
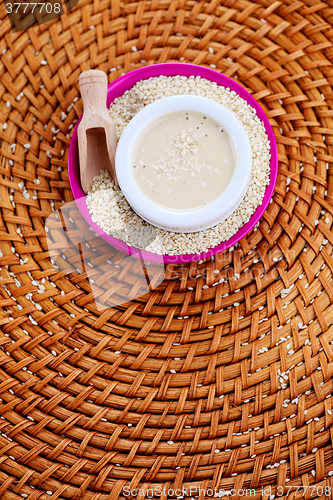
(109, 208)
(179, 159)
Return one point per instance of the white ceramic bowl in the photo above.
(184, 221)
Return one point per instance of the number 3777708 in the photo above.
(31, 7)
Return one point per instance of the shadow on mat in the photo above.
(102, 272)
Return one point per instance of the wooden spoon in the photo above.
(97, 138)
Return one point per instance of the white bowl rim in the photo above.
(185, 220)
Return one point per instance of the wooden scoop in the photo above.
(97, 137)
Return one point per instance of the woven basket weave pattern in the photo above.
(221, 376)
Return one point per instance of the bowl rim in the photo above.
(117, 88)
(185, 220)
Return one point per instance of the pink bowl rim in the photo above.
(116, 89)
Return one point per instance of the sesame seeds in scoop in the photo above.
(109, 208)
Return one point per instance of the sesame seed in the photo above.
(109, 208)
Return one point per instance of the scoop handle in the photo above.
(93, 87)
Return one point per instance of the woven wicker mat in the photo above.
(189, 385)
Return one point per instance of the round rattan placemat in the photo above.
(218, 378)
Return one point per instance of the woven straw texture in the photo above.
(220, 377)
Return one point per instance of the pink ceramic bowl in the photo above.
(116, 89)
